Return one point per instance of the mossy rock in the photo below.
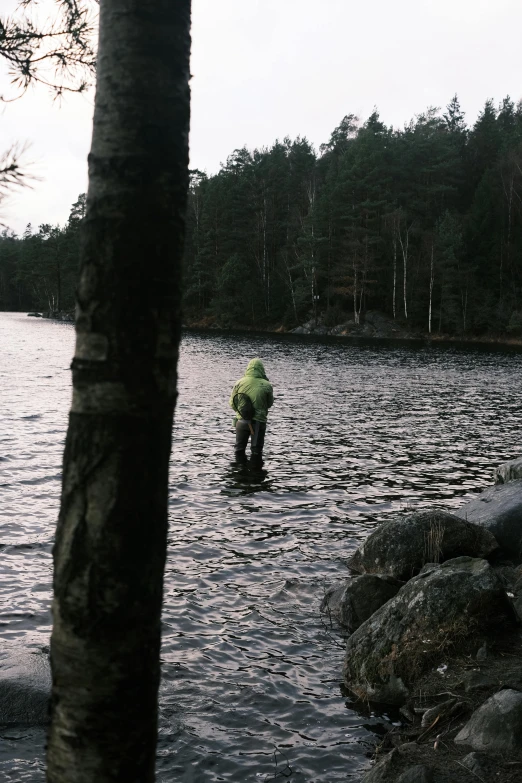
(400, 548)
(436, 614)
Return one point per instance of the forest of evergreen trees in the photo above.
(423, 224)
(38, 270)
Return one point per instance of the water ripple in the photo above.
(251, 672)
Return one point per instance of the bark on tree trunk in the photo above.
(111, 538)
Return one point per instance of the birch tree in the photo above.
(404, 241)
(111, 539)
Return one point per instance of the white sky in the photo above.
(265, 69)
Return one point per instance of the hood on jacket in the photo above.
(256, 369)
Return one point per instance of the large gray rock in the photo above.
(400, 548)
(508, 471)
(479, 764)
(25, 687)
(382, 770)
(417, 774)
(517, 597)
(475, 681)
(436, 613)
(341, 329)
(355, 601)
(496, 725)
(499, 510)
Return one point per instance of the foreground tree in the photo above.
(111, 539)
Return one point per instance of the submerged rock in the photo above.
(25, 687)
(508, 471)
(496, 725)
(498, 509)
(355, 601)
(438, 612)
(401, 547)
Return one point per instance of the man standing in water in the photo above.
(251, 398)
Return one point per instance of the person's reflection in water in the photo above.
(246, 476)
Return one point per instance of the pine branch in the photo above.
(60, 54)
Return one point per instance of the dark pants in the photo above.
(243, 434)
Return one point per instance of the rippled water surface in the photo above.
(251, 672)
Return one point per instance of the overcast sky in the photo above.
(265, 69)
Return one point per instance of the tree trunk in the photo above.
(291, 283)
(355, 289)
(441, 302)
(404, 248)
(265, 277)
(111, 539)
(464, 308)
(394, 272)
(432, 281)
(58, 283)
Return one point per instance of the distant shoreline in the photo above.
(359, 334)
(388, 331)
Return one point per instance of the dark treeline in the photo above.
(423, 223)
(39, 270)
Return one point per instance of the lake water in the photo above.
(251, 671)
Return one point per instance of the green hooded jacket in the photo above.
(255, 383)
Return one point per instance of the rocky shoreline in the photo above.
(375, 326)
(56, 315)
(433, 614)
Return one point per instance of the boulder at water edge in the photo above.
(442, 610)
(401, 547)
(517, 597)
(479, 764)
(420, 773)
(355, 601)
(508, 471)
(496, 725)
(388, 767)
(25, 687)
(499, 510)
(382, 770)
